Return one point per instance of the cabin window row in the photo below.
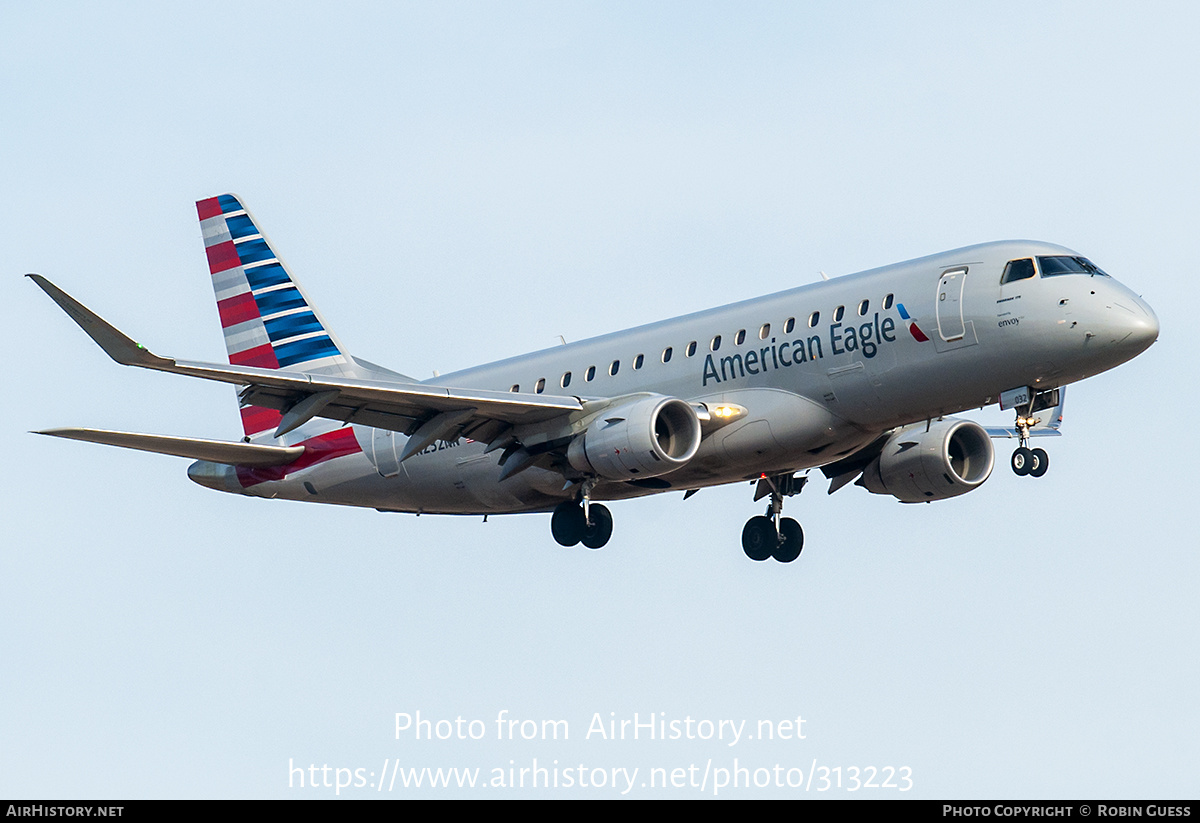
(764, 331)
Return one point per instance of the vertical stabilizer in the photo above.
(267, 319)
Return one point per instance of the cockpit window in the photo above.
(1053, 266)
(1017, 270)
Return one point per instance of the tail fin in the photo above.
(267, 319)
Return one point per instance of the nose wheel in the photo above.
(1032, 462)
(771, 535)
(1027, 461)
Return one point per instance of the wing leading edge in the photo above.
(416, 409)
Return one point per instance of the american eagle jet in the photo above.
(855, 376)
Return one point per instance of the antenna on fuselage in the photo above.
(824, 276)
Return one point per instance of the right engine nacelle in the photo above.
(642, 438)
(915, 466)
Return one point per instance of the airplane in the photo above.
(856, 376)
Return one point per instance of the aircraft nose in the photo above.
(1131, 324)
(1143, 328)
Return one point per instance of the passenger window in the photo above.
(566, 379)
(716, 343)
(838, 313)
(789, 325)
(541, 385)
(764, 331)
(591, 374)
(691, 348)
(1017, 270)
(516, 387)
(667, 355)
(637, 361)
(887, 301)
(814, 319)
(862, 307)
(614, 368)
(740, 337)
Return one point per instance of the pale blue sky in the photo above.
(455, 183)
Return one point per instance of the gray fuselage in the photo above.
(821, 370)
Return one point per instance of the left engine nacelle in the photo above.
(915, 466)
(642, 438)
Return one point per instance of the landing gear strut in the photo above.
(771, 535)
(582, 521)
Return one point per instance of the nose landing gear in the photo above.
(1027, 461)
(771, 535)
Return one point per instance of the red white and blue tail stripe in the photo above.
(267, 320)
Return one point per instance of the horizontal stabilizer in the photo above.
(214, 451)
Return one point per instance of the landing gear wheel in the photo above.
(1022, 461)
(791, 541)
(597, 532)
(759, 538)
(1041, 462)
(567, 523)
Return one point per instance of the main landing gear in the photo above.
(575, 522)
(771, 535)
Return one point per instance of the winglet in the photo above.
(116, 345)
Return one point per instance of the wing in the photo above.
(423, 412)
(1048, 420)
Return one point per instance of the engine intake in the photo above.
(953, 457)
(647, 437)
